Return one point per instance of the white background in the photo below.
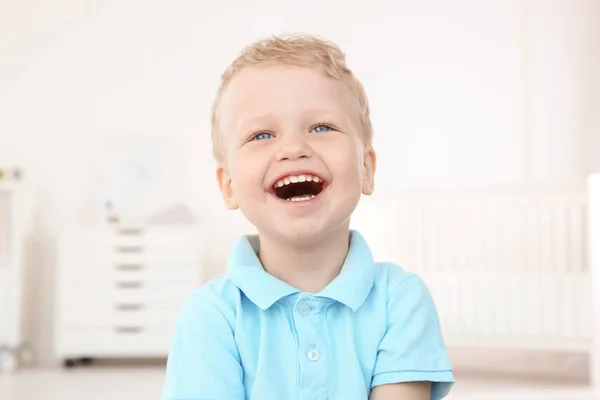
(463, 93)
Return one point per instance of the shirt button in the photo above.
(304, 309)
(313, 355)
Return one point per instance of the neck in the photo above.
(308, 267)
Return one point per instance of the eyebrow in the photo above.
(312, 112)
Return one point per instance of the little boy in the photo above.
(303, 311)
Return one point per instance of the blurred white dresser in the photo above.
(119, 292)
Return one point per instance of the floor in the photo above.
(144, 383)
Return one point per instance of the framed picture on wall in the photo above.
(138, 175)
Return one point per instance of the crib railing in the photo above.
(507, 267)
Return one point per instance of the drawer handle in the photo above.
(130, 285)
(130, 231)
(128, 329)
(129, 249)
(129, 307)
(129, 267)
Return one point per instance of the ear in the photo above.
(369, 167)
(224, 181)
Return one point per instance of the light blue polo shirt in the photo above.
(248, 335)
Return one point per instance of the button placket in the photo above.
(313, 352)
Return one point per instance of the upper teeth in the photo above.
(297, 178)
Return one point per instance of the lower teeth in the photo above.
(301, 198)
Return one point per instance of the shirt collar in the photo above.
(351, 287)
(246, 272)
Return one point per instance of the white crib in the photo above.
(508, 268)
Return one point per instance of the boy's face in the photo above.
(295, 163)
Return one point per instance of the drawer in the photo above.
(110, 315)
(107, 239)
(157, 256)
(156, 237)
(172, 237)
(122, 341)
(88, 239)
(131, 271)
(155, 294)
(69, 257)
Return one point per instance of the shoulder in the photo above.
(403, 290)
(392, 278)
(219, 295)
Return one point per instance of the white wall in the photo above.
(562, 68)
(463, 93)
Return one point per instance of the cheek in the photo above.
(241, 183)
(247, 182)
(346, 163)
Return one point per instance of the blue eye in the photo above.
(262, 136)
(321, 128)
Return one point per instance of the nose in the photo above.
(294, 146)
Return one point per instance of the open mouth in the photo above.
(298, 187)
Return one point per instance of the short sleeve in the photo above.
(203, 362)
(412, 348)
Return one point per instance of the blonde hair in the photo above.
(296, 50)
